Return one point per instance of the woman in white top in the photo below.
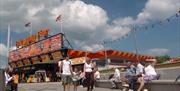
(89, 69)
(149, 73)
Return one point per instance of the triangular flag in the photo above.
(28, 24)
(58, 18)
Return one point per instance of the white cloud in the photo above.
(84, 24)
(3, 50)
(158, 10)
(3, 62)
(93, 47)
(114, 32)
(34, 10)
(154, 10)
(81, 15)
(81, 22)
(157, 51)
(124, 21)
(3, 56)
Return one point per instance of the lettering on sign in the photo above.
(32, 38)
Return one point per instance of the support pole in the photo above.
(8, 41)
(135, 42)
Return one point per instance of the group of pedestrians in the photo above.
(140, 72)
(68, 75)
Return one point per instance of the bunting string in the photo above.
(141, 28)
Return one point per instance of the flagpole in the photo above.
(105, 54)
(8, 41)
(31, 30)
(11, 43)
(61, 25)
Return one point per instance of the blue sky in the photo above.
(165, 36)
(120, 8)
(88, 22)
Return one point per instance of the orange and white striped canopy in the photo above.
(109, 53)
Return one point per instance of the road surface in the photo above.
(54, 86)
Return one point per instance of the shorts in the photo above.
(149, 78)
(76, 82)
(66, 79)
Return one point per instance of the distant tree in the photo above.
(161, 59)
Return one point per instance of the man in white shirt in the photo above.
(140, 73)
(139, 69)
(66, 68)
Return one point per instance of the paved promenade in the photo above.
(54, 86)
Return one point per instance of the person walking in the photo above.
(89, 69)
(76, 78)
(66, 68)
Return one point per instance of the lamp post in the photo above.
(135, 42)
(106, 57)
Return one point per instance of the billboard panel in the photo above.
(19, 64)
(26, 62)
(13, 65)
(45, 58)
(26, 51)
(76, 61)
(35, 60)
(43, 46)
(57, 55)
(21, 53)
(12, 55)
(55, 42)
